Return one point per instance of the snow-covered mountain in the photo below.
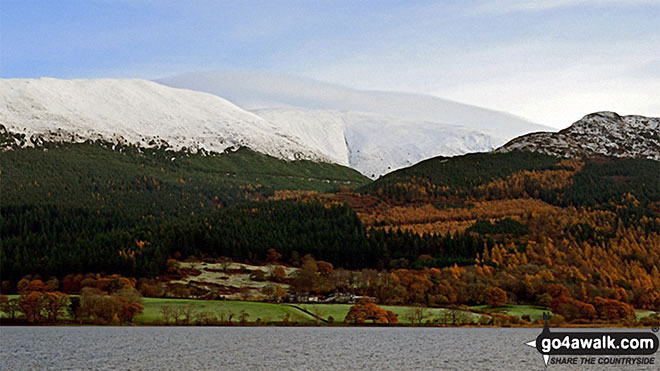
(375, 144)
(600, 133)
(139, 112)
(371, 131)
(290, 118)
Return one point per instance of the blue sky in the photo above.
(550, 61)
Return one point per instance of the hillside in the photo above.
(143, 181)
(77, 204)
(600, 133)
(139, 112)
(563, 233)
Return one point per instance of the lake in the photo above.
(271, 348)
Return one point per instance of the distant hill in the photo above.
(138, 112)
(374, 132)
(595, 182)
(600, 133)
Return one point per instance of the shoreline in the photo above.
(302, 324)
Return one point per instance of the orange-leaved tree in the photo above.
(360, 313)
(495, 296)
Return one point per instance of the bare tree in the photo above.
(184, 312)
(318, 313)
(417, 314)
(167, 312)
(225, 263)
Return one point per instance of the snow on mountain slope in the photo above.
(600, 133)
(258, 89)
(139, 112)
(375, 144)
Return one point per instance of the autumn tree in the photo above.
(613, 310)
(7, 307)
(279, 274)
(34, 286)
(325, 269)
(151, 288)
(55, 304)
(99, 307)
(32, 305)
(274, 292)
(272, 256)
(130, 304)
(495, 296)
(360, 313)
(307, 278)
(129, 310)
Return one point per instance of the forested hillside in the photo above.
(77, 206)
(590, 227)
(560, 233)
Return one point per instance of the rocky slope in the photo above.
(600, 133)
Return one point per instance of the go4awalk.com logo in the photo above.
(597, 348)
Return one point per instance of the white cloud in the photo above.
(550, 82)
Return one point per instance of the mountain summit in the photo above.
(600, 133)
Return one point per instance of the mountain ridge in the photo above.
(141, 112)
(599, 133)
(261, 89)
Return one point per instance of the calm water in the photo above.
(269, 348)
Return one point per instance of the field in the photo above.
(641, 313)
(272, 312)
(277, 312)
(533, 312)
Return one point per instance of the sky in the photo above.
(550, 61)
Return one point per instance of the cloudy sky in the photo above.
(550, 61)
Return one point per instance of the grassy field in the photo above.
(533, 312)
(641, 313)
(277, 312)
(274, 312)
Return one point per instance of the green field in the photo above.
(641, 313)
(273, 312)
(277, 312)
(533, 312)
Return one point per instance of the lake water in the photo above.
(271, 348)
